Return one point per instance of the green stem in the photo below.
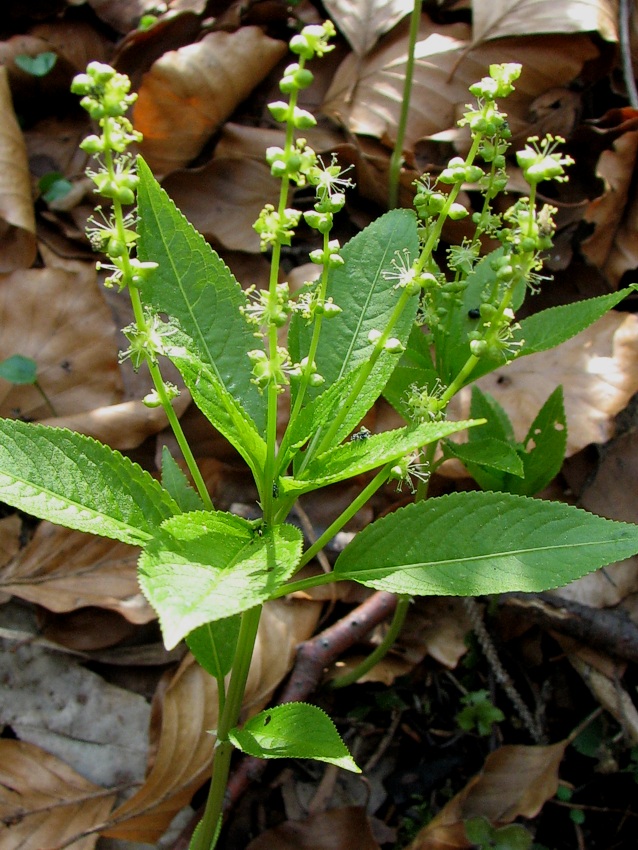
(396, 160)
(386, 644)
(380, 478)
(205, 838)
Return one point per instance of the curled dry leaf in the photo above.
(598, 370)
(367, 95)
(500, 18)
(363, 22)
(17, 218)
(189, 712)
(44, 802)
(515, 781)
(122, 15)
(336, 829)
(64, 570)
(190, 92)
(59, 320)
(613, 244)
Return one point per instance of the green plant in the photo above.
(479, 713)
(37, 66)
(368, 325)
(483, 835)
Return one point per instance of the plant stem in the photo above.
(396, 160)
(205, 837)
(386, 644)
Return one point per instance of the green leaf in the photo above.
(209, 565)
(221, 409)
(293, 730)
(177, 484)
(213, 645)
(489, 452)
(359, 456)
(366, 296)
(415, 369)
(545, 446)
(198, 291)
(18, 370)
(54, 186)
(556, 325)
(475, 543)
(73, 480)
(37, 66)
(499, 426)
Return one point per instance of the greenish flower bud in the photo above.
(457, 212)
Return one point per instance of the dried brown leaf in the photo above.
(64, 570)
(189, 713)
(43, 801)
(367, 95)
(336, 829)
(17, 218)
(500, 18)
(59, 320)
(189, 92)
(515, 781)
(363, 22)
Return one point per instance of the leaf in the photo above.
(17, 217)
(551, 327)
(332, 829)
(68, 334)
(64, 570)
(366, 295)
(198, 291)
(18, 370)
(515, 781)
(544, 446)
(177, 484)
(359, 456)
(221, 409)
(209, 565)
(190, 92)
(213, 645)
(363, 22)
(498, 424)
(73, 480)
(489, 452)
(44, 802)
(475, 544)
(293, 730)
(38, 66)
(501, 18)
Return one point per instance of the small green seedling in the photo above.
(382, 317)
(479, 713)
(484, 836)
(20, 370)
(54, 186)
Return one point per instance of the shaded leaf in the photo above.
(478, 543)
(213, 645)
(44, 802)
(515, 781)
(16, 205)
(189, 92)
(334, 829)
(74, 481)
(363, 22)
(293, 730)
(177, 484)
